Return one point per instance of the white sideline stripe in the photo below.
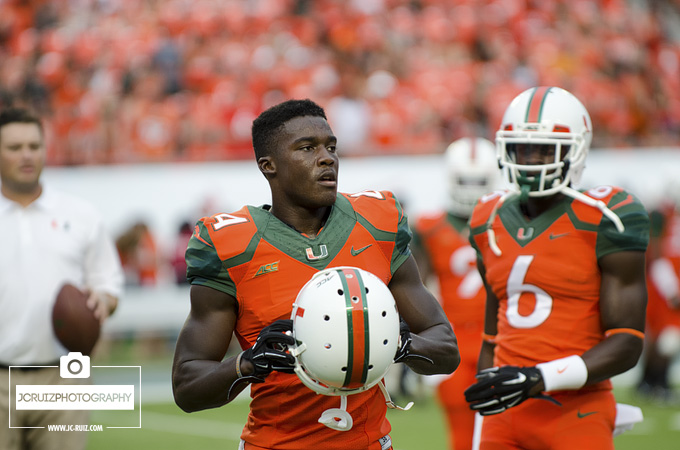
(187, 425)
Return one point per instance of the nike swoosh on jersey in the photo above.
(582, 415)
(356, 252)
(555, 236)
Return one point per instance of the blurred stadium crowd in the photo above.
(127, 81)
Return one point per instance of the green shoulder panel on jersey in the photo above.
(381, 214)
(220, 242)
(635, 219)
(204, 267)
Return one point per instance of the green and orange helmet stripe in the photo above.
(535, 105)
(358, 334)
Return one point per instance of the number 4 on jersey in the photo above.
(224, 220)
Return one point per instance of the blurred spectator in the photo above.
(177, 260)
(137, 250)
(182, 81)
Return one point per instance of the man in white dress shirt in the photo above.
(48, 239)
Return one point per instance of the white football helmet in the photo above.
(539, 116)
(472, 169)
(346, 329)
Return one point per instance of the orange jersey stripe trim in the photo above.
(632, 331)
(357, 321)
(625, 202)
(197, 234)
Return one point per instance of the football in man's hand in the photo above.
(73, 322)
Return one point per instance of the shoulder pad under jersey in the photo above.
(484, 207)
(427, 223)
(588, 214)
(380, 208)
(230, 233)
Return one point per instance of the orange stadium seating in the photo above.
(157, 81)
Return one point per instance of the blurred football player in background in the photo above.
(247, 267)
(50, 238)
(139, 255)
(565, 277)
(663, 305)
(442, 250)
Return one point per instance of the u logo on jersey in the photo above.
(523, 235)
(312, 257)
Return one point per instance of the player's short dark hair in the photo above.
(269, 121)
(19, 115)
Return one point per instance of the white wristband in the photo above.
(565, 373)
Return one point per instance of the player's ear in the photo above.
(267, 166)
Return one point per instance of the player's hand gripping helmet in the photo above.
(346, 328)
(472, 168)
(545, 116)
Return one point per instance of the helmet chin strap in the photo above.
(524, 193)
(566, 190)
(599, 204)
(388, 400)
(339, 419)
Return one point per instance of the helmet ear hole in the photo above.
(326, 317)
(341, 292)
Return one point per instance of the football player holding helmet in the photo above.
(346, 330)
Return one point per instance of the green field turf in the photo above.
(165, 426)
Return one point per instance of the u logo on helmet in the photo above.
(347, 336)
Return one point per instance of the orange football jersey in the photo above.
(263, 263)
(547, 278)
(444, 238)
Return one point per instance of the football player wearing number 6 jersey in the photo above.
(247, 267)
(564, 272)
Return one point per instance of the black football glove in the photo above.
(404, 349)
(270, 350)
(500, 388)
(404, 341)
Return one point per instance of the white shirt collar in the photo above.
(44, 201)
